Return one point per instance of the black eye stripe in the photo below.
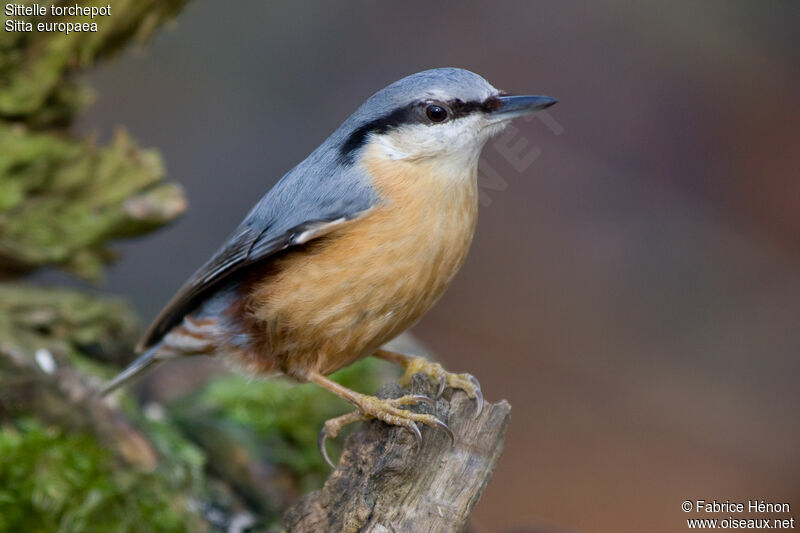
(462, 109)
(408, 115)
(383, 124)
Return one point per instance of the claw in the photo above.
(412, 427)
(323, 434)
(442, 384)
(479, 402)
(421, 398)
(441, 425)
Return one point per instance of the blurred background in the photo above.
(634, 284)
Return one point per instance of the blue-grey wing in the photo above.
(300, 208)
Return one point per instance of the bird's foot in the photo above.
(389, 411)
(466, 382)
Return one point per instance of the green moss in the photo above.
(284, 416)
(52, 481)
(183, 462)
(67, 322)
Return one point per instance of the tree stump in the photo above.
(384, 484)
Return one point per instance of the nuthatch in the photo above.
(350, 248)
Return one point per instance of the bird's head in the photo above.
(444, 114)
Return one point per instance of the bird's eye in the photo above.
(436, 113)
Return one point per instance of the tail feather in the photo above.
(144, 362)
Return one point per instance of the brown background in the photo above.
(634, 291)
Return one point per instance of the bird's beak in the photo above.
(517, 106)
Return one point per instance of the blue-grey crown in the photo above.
(441, 83)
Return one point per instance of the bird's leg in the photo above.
(389, 411)
(414, 365)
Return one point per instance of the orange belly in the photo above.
(338, 300)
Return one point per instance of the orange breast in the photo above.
(338, 300)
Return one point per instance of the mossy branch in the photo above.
(68, 323)
(63, 199)
(36, 68)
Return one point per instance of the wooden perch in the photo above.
(383, 484)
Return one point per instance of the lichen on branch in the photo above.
(63, 201)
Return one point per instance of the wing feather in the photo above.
(245, 247)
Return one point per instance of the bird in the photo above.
(348, 249)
